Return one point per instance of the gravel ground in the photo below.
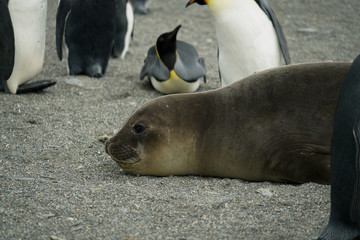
(56, 181)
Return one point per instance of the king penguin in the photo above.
(22, 45)
(249, 36)
(344, 220)
(173, 66)
(88, 27)
(124, 27)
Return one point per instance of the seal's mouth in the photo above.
(123, 154)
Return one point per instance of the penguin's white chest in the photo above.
(29, 23)
(247, 41)
(175, 85)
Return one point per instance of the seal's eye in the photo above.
(139, 128)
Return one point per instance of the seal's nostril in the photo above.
(122, 153)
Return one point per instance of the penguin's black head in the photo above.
(166, 47)
(200, 2)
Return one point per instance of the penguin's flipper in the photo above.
(355, 203)
(154, 67)
(189, 73)
(148, 65)
(35, 86)
(265, 6)
(7, 45)
(61, 16)
(121, 28)
(188, 66)
(202, 63)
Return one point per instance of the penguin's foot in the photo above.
(338, 230)
(35, 86)
(97, 75)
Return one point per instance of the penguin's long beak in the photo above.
(190, 2)
(174, 32)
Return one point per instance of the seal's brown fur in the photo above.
(275, 125)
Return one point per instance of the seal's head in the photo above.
(158, 139)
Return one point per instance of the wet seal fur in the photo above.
(275, 125)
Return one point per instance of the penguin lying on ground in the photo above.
(173, 66)
(22, 45)
(141, 6)
(344, 220)
(249, 35)
(91, 29)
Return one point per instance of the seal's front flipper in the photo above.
(300, 162)
(35, 86)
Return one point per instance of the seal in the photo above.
(344, 220)
(274, 125)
